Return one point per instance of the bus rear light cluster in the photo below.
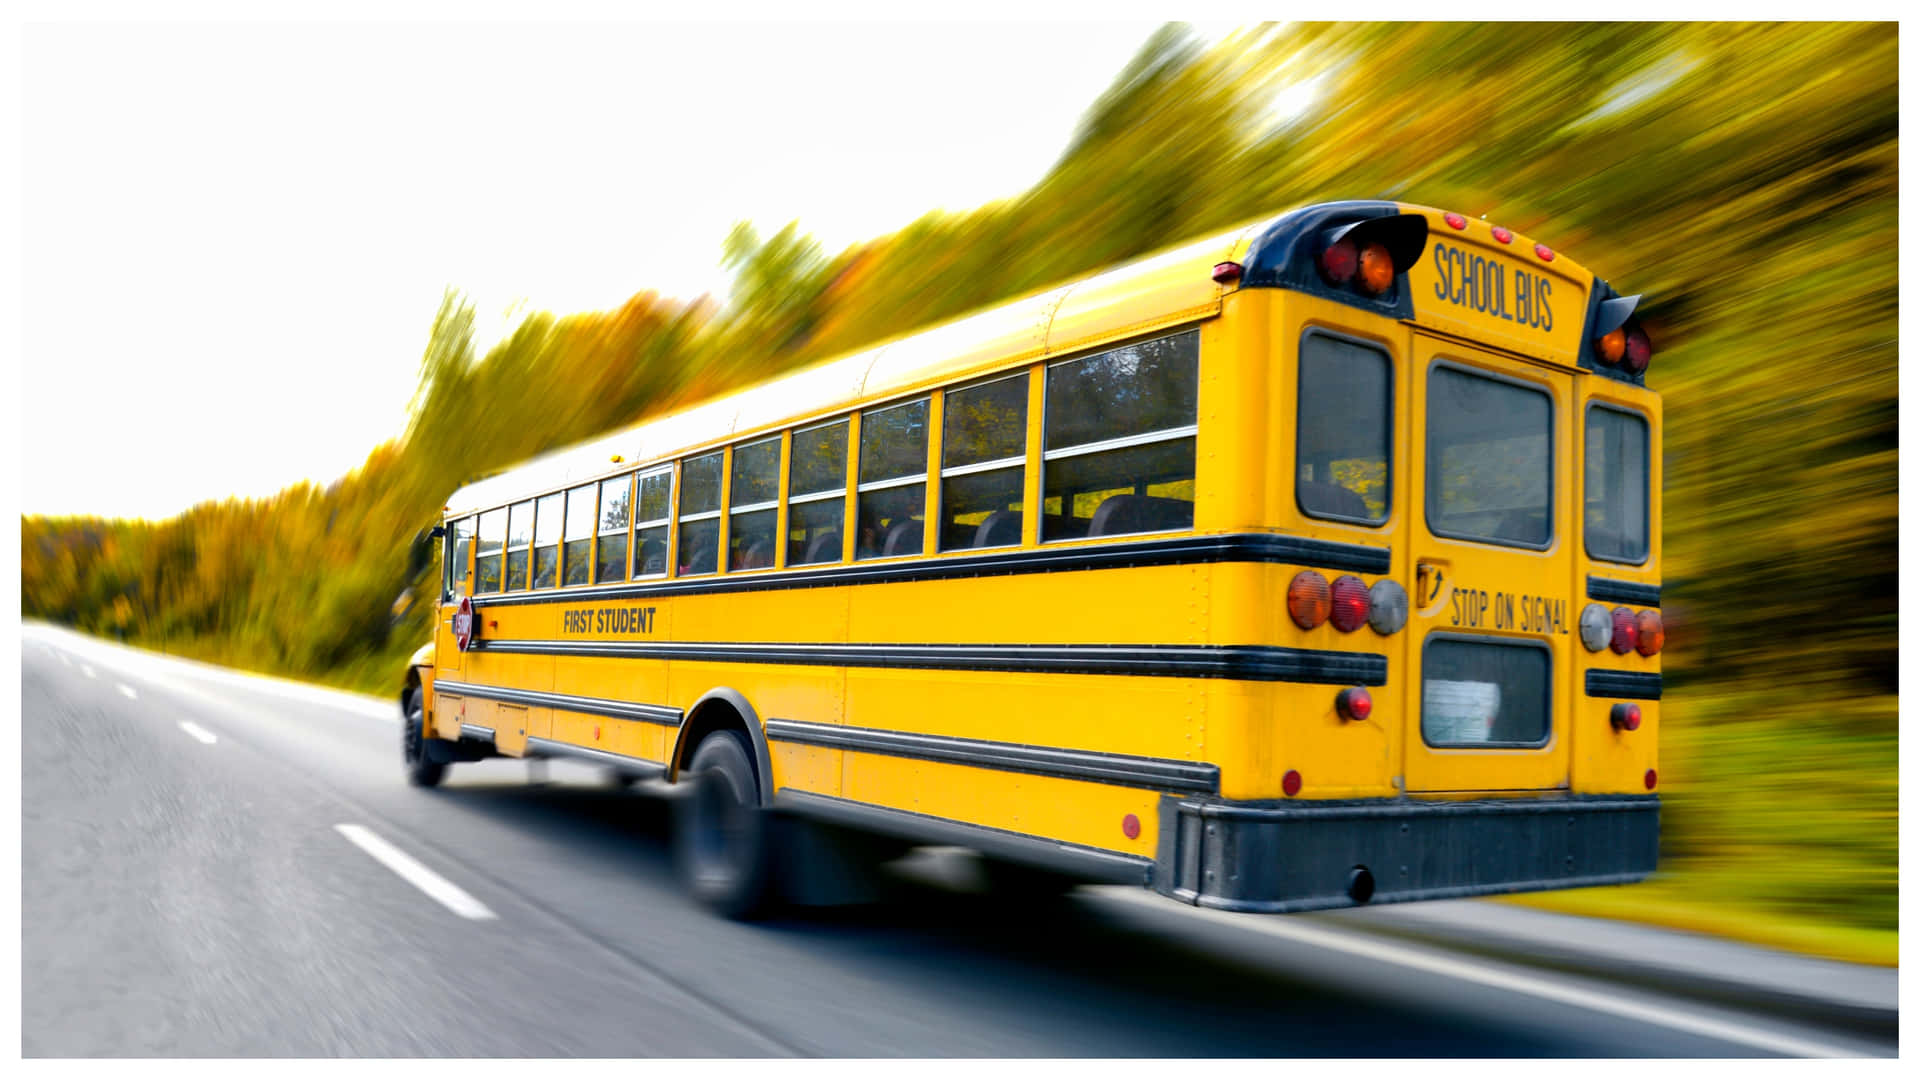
(1623, 630)
(1369, 267)
(1367, 255)
(1353, 703)
(1621, 341)
(1348, 603)
(1626, 718)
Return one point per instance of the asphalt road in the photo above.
(199, 877)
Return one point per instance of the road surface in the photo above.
(220, 864)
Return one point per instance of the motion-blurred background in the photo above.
(1743, 177)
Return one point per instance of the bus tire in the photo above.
(424, 769)
(721, 840)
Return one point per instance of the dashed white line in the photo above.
(87, 670)
(1447, 967)
(128, 691)
(453, 897)
(199, 732)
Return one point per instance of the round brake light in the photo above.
(1354, 703)
(1339, 262)
(1626, 717)
(1350, 603)
(1596, 627)
(1625, 631)
(1308, 599)
(1376, 269)
(1639, 351)
(1649, 632)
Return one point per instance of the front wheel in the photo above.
(720, 830)
(422, 769)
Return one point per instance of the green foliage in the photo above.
(1743, 177)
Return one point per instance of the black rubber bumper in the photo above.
(1304, 856)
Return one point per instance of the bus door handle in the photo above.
(1430, 583)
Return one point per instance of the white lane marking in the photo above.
(198, 732)
(87, 670)
(128, 690)
(456, 899)
(1666, 1015)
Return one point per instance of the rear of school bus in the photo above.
(1454, 430)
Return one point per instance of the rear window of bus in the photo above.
(1616, 486)
(1489, 459)
(1344, 430)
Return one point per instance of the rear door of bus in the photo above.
(1491, 628)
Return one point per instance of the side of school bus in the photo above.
(1313, 564)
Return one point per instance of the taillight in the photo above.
(1354, 703)
(1625, 631)
(1376, 269)
(1308, 599)
(1350, 603)
(1387, 604)
(1639, 351)
(1650, 633)
(1613, 345)
(1339, 262)
(1290, 783)
(1626, 718)
(1596, 627)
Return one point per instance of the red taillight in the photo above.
(1226, 271)
(1505, 236)
(1626, 718)
(1339, 262)
(1290, 783)
(1376, 269)
(1309, 600)
(1639, 351)
(1354, 703)
(1130, 827)
(1457, 221)
(1351, 603)
(1625, 631)
(1652, 778)
(1650, 633)
(1545, 252)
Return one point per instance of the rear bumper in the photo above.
(1303, 856)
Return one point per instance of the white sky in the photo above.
(234, 237)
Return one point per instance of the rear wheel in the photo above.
(422, 769)
(721, 832)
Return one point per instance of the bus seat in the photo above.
(1140, 513)
(757, 557)
(903, 538)
(653, 556)
(706, 557)
(1321, 498)
(825, 547)
(1062, 527)
(1001, 527)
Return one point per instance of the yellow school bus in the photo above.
(1309, 565)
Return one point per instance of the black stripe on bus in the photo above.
(1259, 663)
(1644, 685)
(618, 710)
(1092, 864)
(1622, 592)
(1160, 774)
(1234, 547)
(639, 767)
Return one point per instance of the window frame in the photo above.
(1430, 461)
(1299, 374)
(1646, 478)
(1123, 442)
(942, 472)
(780, 464)
(862, 487)
(718, 513)
(849, 471)
(599, 508)
(532, 503)
(634, 524)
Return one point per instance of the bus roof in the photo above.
(1176, 285)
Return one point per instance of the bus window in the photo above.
(700, 514)
(817, 494)
(1616, 495)
(576, 562)
(459, 546)
(1489, 459)
(1342, 430)
(754, 505)
(650, 524)
(1120, 428)
(983, 464)
(546, 540)
(519, 538)
(893, 480)
(616, 497)
(486, 567)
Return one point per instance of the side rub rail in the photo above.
(1233, 547)
(618, 710)
(1259, 663)
(1159, 774)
